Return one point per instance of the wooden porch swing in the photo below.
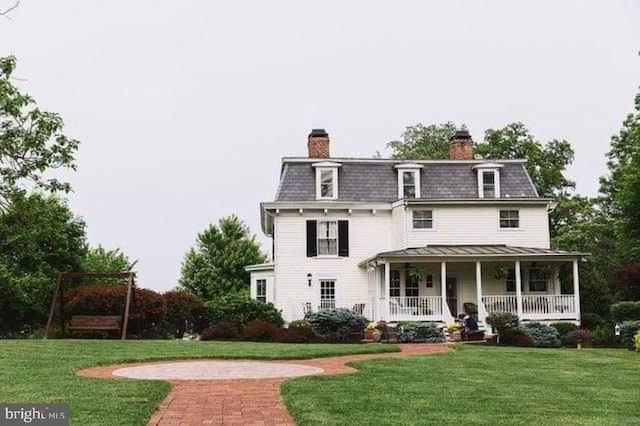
(91, 322)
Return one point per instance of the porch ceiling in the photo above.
(474, 251)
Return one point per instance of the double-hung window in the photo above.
(537, 280)
(326, 180)
(327, 238)
(411, 288)
(261, 290)
(511, 281)
(489, 184)
(326, 183)
(394, 285)
(423, 219)
(509, 219)
(409, 184)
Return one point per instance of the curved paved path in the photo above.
(242, 401)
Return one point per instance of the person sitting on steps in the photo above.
(469, 325)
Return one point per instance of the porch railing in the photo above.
(500, 303)
(427, 306)
(534, 306)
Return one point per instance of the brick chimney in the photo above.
(318, 144)
(461, 146)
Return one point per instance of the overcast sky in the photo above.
(184, 108)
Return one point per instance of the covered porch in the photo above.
(435, 283)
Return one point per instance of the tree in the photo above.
(99, 259)
(546, 163)
(424, 142)
(31, 142)
(216, 265)
(39, 237)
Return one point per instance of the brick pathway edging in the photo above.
(244, 401)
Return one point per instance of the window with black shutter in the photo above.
(343, 238)
(312, 238)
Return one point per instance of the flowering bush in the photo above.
(223, 330)
(185, 312)
(577, 336)
(563, 329)
(148, 310)
(638, 341)
(371, 326)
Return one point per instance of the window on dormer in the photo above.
(489, 184)
(409, 184)
(327, 183)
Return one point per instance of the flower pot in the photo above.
(369, 335)
(579, 345)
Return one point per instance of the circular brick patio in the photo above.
(216, 370)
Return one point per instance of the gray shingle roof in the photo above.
(378, 181)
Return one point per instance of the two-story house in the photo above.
(412, 240)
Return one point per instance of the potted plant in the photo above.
(370, 331)
(417, 273)
(453, 332)
(578, 337)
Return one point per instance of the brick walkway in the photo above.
(243, 401)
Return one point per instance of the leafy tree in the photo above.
(424, 142)
(31, 142)
(39, 237)
(215, 266)
(99, 259)
(546, 163)
(627, 279)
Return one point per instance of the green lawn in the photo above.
(477, 385)
(43, 371)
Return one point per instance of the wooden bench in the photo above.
(94, 322)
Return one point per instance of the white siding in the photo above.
(368, 235)
(480, 225)
(398, 227)
(263, 275)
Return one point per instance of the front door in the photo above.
(452, 295)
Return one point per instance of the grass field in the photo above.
(477, 385)
(43, 371)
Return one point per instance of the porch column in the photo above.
(387, 289)
(518, 289)
(481, 313)
(443, 287)
(576, 288)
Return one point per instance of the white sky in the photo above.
(184, 108)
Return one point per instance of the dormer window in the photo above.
(408, 180)
(488, 180)
(326, 180)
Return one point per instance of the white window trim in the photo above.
(527, 281)
(333, 278)
(433, 220)
(319, 171)
(496, 180)
(266, 289)
(416, 179)
(327, 256)
(519, 228)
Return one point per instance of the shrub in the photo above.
(604, 337)
(338, 324)
(577, 336)
(503, 322)
(591, 321)
(563, 329)
(148, 309)
(628, 330)
(419, 332)
(297, 334)
(638, 341)
(223, 330)
(239, 309)
(184, 312)
(260, 331)
(625, 311)
(516, 337)
(299, 324)
(543, 336)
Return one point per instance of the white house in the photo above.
(412, 240)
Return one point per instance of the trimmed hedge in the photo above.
(543, 336)
(260, 331)
(419, 332)
(223, 330)
(148, 309)
(591, 321)
(239, 309)
(185, 312)
(342, 325)
(625, 311)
